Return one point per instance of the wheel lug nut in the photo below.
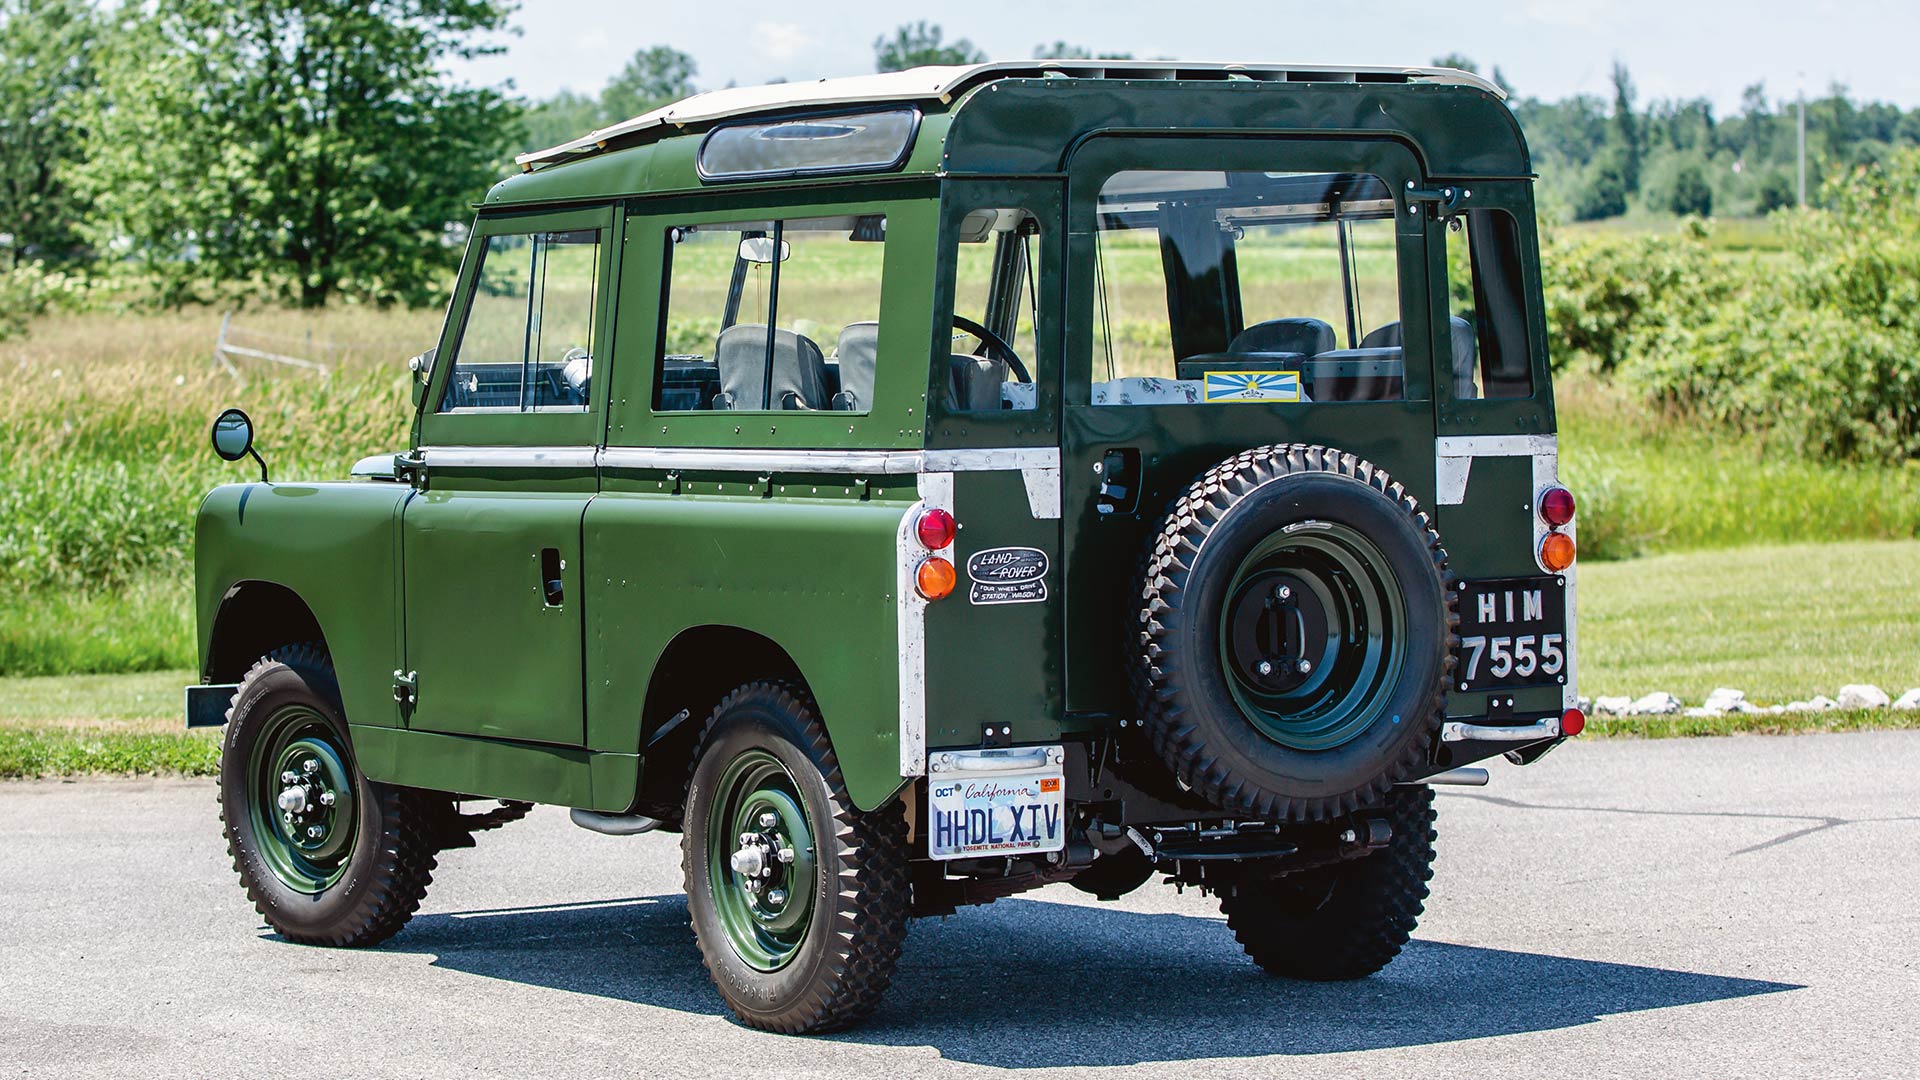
(776, 897)
(315, 832)
(1263, 667)
(1283, 593)
(289, 776)
(1306, 666)
(310, 765)
(326, 798)
(769, 819)
(785, 855)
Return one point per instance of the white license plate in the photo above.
(995, 802)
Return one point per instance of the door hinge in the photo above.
(406, 687)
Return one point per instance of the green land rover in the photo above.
(919, 488)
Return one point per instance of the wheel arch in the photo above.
(254, 618)
(699, 666)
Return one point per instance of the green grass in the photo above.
(1781, 623)
(108, 724)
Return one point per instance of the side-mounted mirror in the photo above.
(759, 249)
(233, 439)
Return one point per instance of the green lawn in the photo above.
(1778, 622)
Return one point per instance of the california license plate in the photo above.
(995, 802)
(1513, 633)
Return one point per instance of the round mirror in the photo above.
(232, 435)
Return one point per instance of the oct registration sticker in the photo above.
(995, 802)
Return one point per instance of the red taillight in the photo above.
(1556, 506)
(934, 578)
(935, 528)
(1573, 722)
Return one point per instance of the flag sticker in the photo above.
(1252, 386)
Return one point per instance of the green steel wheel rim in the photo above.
(1313, 635)
(760, 860)
(300, 793)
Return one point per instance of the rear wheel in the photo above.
(1344, 921)
(799, 900)
(327, 856)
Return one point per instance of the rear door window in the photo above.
(1486, 297)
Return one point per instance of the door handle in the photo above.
(552, 586)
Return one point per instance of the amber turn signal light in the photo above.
(1556, 552)
(935, 577)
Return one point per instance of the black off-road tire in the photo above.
(391, 861)
(1344, 921)
(1179, 674)
(862, 891)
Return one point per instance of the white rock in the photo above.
(1620, 704)
(1725, 700)
(1863, 696)
(1799, 706)
(1584, 704)
(1909, 700)
(1774, 710)
(1821, 703)
(1658, 703)
(1700, 712)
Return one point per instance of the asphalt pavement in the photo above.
(1717, 907)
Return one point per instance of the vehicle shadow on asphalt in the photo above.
(1028, 984)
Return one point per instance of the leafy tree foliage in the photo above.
(656, 76)
(1690, 193)
(46, 70)
(921, 43)
(1061, 50)
(309, 147)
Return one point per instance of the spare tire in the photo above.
(1297, 624)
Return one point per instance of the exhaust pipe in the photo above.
(1462, 777)
(614, 824)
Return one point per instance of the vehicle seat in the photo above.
(799, 370)
(1465, 359)
(1296, 335)
(859, 354)
(973, 383)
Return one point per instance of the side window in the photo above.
(527, 340)
(996, 307)
(1486, 296)
(772, 315)
(1225, 287)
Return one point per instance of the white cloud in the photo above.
(780, 42)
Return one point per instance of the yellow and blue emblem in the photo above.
(1268, 386)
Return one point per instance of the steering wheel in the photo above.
(994, 343)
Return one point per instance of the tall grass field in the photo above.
(104, 456)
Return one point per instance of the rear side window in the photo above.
(1486, 296)
(992, 359)
(527, 340)
(772, 316)
(1246, 287)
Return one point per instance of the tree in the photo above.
(919, 44)
(1457, 60)
(46, 71)
(1627, 136)
(561, 118)
(1691, 193)
(313, 147)
(1061, 50)
(1776, 192)
(1606, 191)
(656, 76)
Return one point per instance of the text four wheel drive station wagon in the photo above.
(919, 488)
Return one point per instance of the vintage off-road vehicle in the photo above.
(919, 488)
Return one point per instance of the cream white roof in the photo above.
(940, 82)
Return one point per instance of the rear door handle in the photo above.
(551, 582)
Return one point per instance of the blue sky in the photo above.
(1551, 48)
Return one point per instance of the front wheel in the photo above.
(1344, 921)
(327, 856)
(799, 900)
